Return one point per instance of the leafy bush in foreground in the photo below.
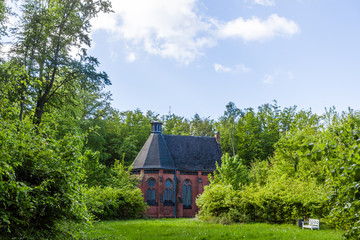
(120, 200)
(114, 203)
(285, 188)
(283, 201)
(39, 181)
(343, 154)
(314, 173)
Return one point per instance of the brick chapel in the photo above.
(174, 170)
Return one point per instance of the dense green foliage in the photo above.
(39, 181)
(232, 172)
(49, 102)
(343, 160)
(46, 33)
(193, 229)
(114, 203)
(313, 173)
(282, 201)
(252, 134)
(120, 199)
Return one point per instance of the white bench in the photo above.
(312, 224)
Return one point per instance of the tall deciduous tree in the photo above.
(227, 127)
(49, 31)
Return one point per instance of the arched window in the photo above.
(168, 193)
(186, 196)
(151, 192)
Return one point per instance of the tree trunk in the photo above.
(21, 107)
(40, 104)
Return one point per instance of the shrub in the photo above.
(232, 171)
(39, 181)
(217, 203)
(343, 154)
(287, 199)
(96, 174)
(282, 201)
(114, 203)
(121, 199)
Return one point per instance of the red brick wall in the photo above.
(197, 187)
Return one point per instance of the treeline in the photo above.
(248, 133)
(120, 135)
(313, 172)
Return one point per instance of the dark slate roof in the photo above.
(183, 152)
(154, 154)
(194, 153)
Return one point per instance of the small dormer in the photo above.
(156, 127)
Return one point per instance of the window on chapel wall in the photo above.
(186, 196)
(168, 193)
(151, 192)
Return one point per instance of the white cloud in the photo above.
(268, 79)
(176, 30)
(131, 57)
(264, 2)
(255, 29)
(76, 52)
(171, 29)
(5, 50)
(240, 68)
(221, 68)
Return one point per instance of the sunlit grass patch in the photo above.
(194, 229)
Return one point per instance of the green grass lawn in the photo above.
(195, 229)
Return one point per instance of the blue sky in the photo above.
(197, 55)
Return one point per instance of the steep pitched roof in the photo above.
(183, 152)
(154, 154)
